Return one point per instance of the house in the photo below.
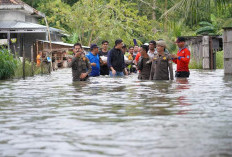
(19, 27)
(227, 47)
(204, 48)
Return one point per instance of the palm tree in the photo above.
(196, 10)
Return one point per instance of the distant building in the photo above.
(19, 27)
(204, 48)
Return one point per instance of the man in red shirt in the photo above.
(182, 58)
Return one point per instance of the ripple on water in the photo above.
(50, 115)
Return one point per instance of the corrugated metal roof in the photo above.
(8, 2)
(18, 4)
(26, 26)
(20, 25)
(61, 43)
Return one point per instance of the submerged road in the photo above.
(50, 115)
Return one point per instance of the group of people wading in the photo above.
(151, 61)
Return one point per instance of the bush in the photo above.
(7, 64)
(28, 69)
(194, 64)
(220, 59)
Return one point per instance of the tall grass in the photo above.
(194, 64)
(28, 69)
(11, 67)
(7, 64)
(220, 59)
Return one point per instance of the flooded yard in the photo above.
(50, 115)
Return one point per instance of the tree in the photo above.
(197, 10)
(57, 14)
(99, 21)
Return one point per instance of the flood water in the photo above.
(51, 116)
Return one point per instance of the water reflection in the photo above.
(182, 85)
(53, 116)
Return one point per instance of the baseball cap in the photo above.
(161, 43)
(93, 46)
(180, 39)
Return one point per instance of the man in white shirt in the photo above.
(151, 51)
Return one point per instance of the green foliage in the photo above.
(57, 13)
(194, 64)
(11, 67)
(205, 30)
(205, 23)
(70, 2)
(34, 3)
(220, 60)
(28, 69)
(97, 22)
(7, 64)
(91, 21)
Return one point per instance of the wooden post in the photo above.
(32, 61)
(24, 75)
(8, 39)
(227, 47)
(205, 49)
(41, 64)
(211, 53)
(50, 43)
(37, 47)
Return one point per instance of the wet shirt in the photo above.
(80, 65)
(183, 60)
(161, 67)
(104, 68)
(115, 59)
(145, 68)
(94, 59)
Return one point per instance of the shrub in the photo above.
(220, 59)
(28, 69)
(194, 64)
(7, 64)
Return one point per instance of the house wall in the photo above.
(227, 47)
(12, 16)
(200, 49)
(31, 19)
(30, 39)
(195, 46)
(27, 39)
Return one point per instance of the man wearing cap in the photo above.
(161, 66)
(182, 58)
(94, 60)
(115, 60)
(80, 65)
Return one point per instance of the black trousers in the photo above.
(182, 74)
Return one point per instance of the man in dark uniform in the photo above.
(161, 63)
(144, 65)
(80, 64)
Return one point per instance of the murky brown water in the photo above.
(52, 116)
